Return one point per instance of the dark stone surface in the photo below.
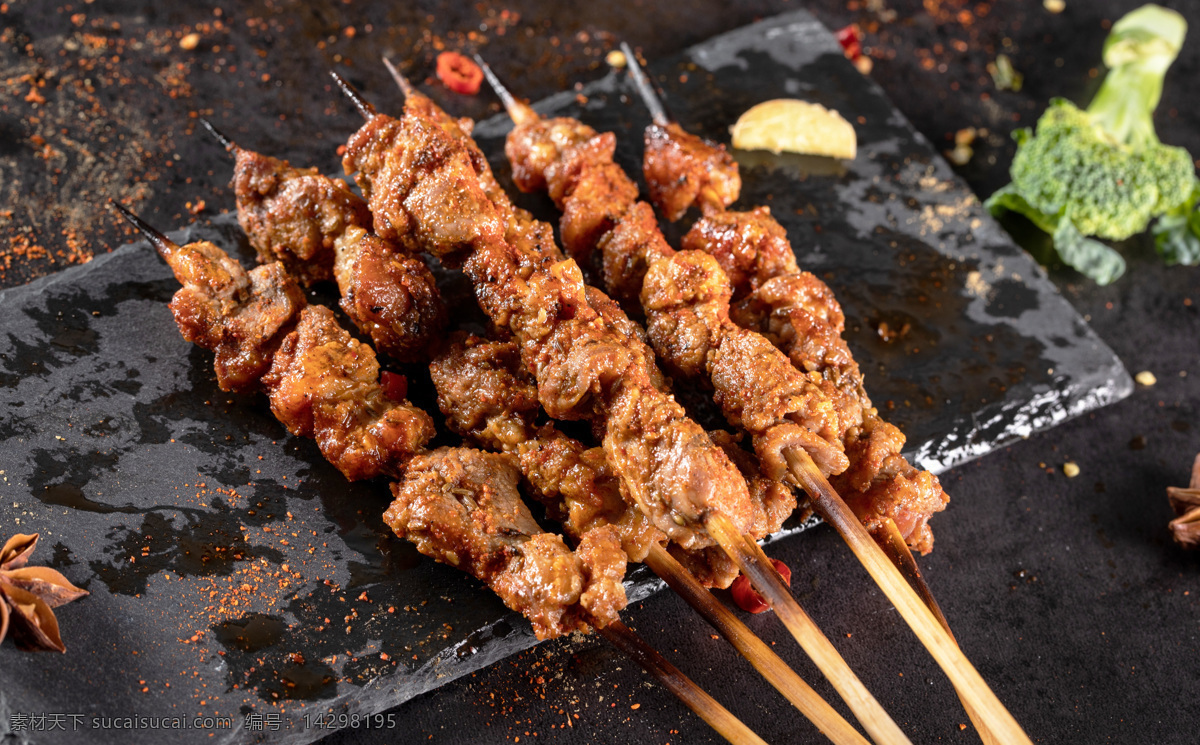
(1067, 594)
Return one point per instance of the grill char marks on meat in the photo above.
(423, 191)
(684, 295)
(801, 317)
(683, 169)
(320, 230)
(462, 507)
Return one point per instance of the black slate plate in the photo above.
(170, 500)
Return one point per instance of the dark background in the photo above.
(1082, 614)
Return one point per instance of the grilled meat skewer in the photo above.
(796, 311)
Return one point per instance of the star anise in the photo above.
(1186, 503)
(27, 595)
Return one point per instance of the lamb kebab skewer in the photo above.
(277, 202)
(800, 314)
(422, 188)
(686, 299)
(458, 505)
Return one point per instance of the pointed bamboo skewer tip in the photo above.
(520, 113)
(650, 97)
(962, 674)
(769, 664)
(164, 245)
(364, 107)
(684, 688)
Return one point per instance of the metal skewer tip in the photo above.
(226, 143)
(519, 112)
(405, 84)
(364, 107)
(161, 243)
(658, 112)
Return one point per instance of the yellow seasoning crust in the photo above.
(794, 126)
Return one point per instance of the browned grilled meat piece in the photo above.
(751, 247)
(683, 169)
(324, 384)
(801, 316)
(294, 215)
(424, 192)
(485, 392)
(241, 316)
(462, 508)
(319, 229)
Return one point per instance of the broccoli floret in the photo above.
(1073, 169)
(1102, 171)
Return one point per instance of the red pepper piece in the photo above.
(395, 385)
(458, 73)
(747, 598)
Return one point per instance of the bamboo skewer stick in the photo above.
(692, 696)
(623, 638)
(889, 538)
(970, 685)
(769, 664)
(749, 557)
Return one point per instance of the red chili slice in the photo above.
(850, 37)
(747, 598)
(458, 73)
(395, 385)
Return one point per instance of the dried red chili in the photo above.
(747, 598)
(458, 73)
(395, 385)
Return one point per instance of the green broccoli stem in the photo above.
(1138, 51)
(1124, 105)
